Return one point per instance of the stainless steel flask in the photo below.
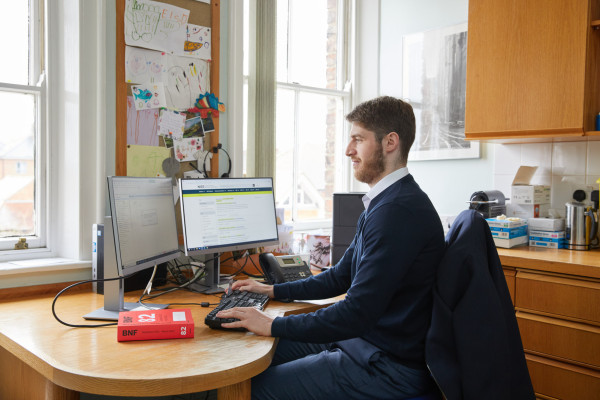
(575, 231)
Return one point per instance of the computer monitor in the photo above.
(228, 214)
(140, 233)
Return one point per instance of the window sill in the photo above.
(43, 271)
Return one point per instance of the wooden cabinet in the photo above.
(559, 321)
(533, 69)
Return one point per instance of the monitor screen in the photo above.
(227, 214)
(143, 219)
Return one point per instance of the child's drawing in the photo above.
(155, 25)
(148, 96)
(198, 41)
(144, 66)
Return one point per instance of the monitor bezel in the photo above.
(233, 247)
(155, 260)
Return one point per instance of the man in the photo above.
(371, 345)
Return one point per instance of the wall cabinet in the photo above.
(533, 69)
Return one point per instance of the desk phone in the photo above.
(279, 269)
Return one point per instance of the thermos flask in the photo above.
(575, 226)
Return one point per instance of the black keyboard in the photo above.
(235, 299)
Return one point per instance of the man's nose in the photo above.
(349, 149)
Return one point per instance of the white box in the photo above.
(508, 243)
(522, 192)
(548, 245)
(547, 224)
(546, 235)
(527, 211)
(505, 223)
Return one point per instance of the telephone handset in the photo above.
(279, 269)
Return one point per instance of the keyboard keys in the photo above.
(235, 299)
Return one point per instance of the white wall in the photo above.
(449, 183)
(566, 166)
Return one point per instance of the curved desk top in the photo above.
(92, 361)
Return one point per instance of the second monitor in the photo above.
(221, 215)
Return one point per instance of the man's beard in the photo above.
(370, 169)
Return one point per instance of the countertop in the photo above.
(571, 262)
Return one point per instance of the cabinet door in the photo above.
(526, 68)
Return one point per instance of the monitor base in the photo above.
(112, 315)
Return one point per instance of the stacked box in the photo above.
(550, 240)
(508, 233)
(527, 200)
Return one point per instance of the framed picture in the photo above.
(434, 82)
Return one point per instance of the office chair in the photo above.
(473, 347)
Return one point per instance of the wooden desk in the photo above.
(41, 358)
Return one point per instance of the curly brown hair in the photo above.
(386, 114)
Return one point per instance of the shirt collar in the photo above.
(383, 184)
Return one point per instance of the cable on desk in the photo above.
(81, 283)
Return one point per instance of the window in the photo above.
(311, 101)
(22, 103)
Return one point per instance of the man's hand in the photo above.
(250, 318)
(249, 285)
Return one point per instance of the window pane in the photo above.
(17, 174)
(284, 150)
(319, 126)
(307, 42)
(306, 159)
(14, 29)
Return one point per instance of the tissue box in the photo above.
(550, 240)
(527, 211)
(546, 224)
(505, 223)
(522, 192)
(508, 243)
(509, 233)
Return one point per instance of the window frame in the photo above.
(344, 77)
(37, 62)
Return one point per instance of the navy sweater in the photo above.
(387, 274)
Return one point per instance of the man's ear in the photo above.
(391, 142)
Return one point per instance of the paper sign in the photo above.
(187, 78)
(146, 160)
(198, 41)
(144, 66)
(141, 125)
(171, 124)
(149, 96)
(187, 149)
(155, 25)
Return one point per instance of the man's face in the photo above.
(366, 153)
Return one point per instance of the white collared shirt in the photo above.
(383, 184)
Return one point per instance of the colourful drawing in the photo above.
(187, 149)
(144, 66)
(186, 79)
(155, 25)
(141, 125)
(198, 41)
(149, 96)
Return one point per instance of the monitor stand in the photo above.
(210, 283)
(114, 290)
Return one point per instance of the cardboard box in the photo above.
(508, 243)
(506, 223)
(546, 234)
(155, 324)
(547, 244)
(527, 211)
(522, 192)
(509, 233)
(546, 224)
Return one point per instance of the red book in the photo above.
(155, 324)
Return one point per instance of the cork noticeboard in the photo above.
(200, 14)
